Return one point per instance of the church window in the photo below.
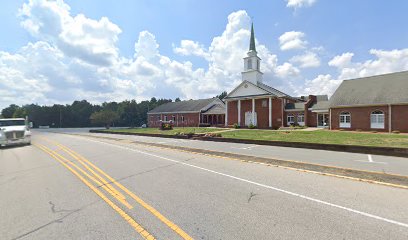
(249, 64)
(257, 64)
(291, 119)
(165, 118)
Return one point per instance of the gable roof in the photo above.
(265, 89)
(389, 88)
(185, 106)
(216, 109)
(298, 106)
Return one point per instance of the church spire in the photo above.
(252, 41)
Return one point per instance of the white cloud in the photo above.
(307, 60)
(188, 47)
(341, 61)
(76, 58)
(292, 40)
(89, 40)
(322, 84)
(300, 3)
(287, 70)
(383, 62)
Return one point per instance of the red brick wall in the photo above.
(277, 113)
(311, 120)
(262, 112)
(232, 112)
(399, 118)
(360, 117)
(190, 119)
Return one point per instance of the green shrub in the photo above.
(236, 125)
(251, 126)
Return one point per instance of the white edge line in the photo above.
(265, 186)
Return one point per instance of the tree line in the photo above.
(78, 114)
(84, 114)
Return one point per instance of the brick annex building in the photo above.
(377, 103)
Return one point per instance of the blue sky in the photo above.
(100, 50)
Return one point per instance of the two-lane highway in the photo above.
(78, 187)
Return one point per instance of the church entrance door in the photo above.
(248, 119)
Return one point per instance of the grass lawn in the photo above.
(324, 136)
(168, 132)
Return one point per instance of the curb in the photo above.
(385, 151)
(386, 179)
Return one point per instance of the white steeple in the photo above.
(252, 62)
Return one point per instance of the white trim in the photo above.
(253, 111)
(270, 112)
(226, 113)
(239, 112)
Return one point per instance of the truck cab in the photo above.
(14, 131)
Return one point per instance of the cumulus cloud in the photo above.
(75, 57)
(92, 41)
(287, 70)
(307, 60)
(292, 40)
(342, 60)
(300, 3)
(189, 47)
(383, 62)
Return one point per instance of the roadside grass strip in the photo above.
(136, 226)
(107, 185)
(315, 200)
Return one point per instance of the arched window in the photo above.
(377, 119)
(345, 120)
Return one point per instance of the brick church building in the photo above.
(255, 103)
(376, 103)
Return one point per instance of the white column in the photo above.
(226, 113)
(270, 112)
(239, 112)
(253, 111)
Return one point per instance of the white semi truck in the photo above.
(14, 131)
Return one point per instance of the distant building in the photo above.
(377, 103)
(189, 113)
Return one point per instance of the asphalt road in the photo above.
(367, 162)
(77, 187)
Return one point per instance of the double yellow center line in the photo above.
(102, 179)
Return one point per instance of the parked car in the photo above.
(14, 131)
